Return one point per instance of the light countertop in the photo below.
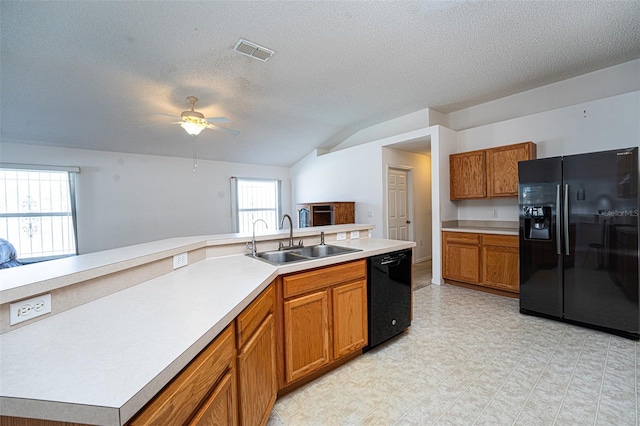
(483, 230)
(101, 362)
(18, 283)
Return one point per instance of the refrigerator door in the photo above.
(539, 183)
(601, 254)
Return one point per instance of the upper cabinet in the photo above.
(468, 173)
(502, 168)
(489, 173)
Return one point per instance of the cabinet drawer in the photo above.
(500, 240)
(251, 318)
(177, 402)
(461, 237)
(321, 278)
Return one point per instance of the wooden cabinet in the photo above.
(349, 309)
(500, 262)
(502, 168)
(203, 393)
(468, 175)
(330, 213)
(306, 331)
(256, 362)
(324, 318)
(483, 259)
(461, 256)
(489, 173)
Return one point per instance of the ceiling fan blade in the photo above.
(167, 114)
(158, 124)
(223, 129)
(217, 119)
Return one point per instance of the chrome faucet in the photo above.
(290, 229)
(254, 250)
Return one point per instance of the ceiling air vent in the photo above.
(253, 50)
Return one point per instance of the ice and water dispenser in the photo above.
(537, 222)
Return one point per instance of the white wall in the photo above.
(126, 199)
(346, 175)
(419, 167)
(604, 83)
(608, 123)
(358, 174)
(414, 121)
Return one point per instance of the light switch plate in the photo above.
(355, 235)
(29, 308)
(341, 236)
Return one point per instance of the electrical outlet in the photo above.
(494, 213)
(355, 235)
(29, 308)
(180, 260)
(341, 236)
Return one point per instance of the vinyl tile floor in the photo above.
(470, 358)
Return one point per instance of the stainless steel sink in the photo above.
(279, 257)
(324, 251)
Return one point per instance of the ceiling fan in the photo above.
(194, 122)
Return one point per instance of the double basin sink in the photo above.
(279, 257)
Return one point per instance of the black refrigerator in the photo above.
(579, 239)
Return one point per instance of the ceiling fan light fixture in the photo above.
(193, 125)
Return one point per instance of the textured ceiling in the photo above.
(88, 74)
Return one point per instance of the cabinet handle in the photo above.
(566, 219)
(558, 222)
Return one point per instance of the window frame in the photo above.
(72, 173)
(236, 210)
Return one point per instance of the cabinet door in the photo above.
(461, 257)
(219, 408)
(467, 173)
(502, 168)
(257, 380)
(500, 262)
(180, 399)
(349, 318)
(343, 213)
(306, 334)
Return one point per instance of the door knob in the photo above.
(408, 221)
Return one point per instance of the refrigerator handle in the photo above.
(558, 222)
(565, 219)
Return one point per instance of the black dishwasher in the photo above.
(388, 296)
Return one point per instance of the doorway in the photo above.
(398, 218)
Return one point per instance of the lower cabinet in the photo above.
(219, 409)
(203, 393)
(488, 260)
(256, 362)
(231, 382)
(461, 256)
(500, 262)
(349, 318)
(306, 331)
(324, 318)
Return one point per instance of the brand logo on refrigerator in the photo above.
(631, 212)
(624, 153)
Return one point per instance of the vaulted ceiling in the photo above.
(91, 74)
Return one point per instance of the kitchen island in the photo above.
(102, 361)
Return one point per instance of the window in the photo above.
(37, 211)
(254, 199)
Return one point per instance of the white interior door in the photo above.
(398, 205)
